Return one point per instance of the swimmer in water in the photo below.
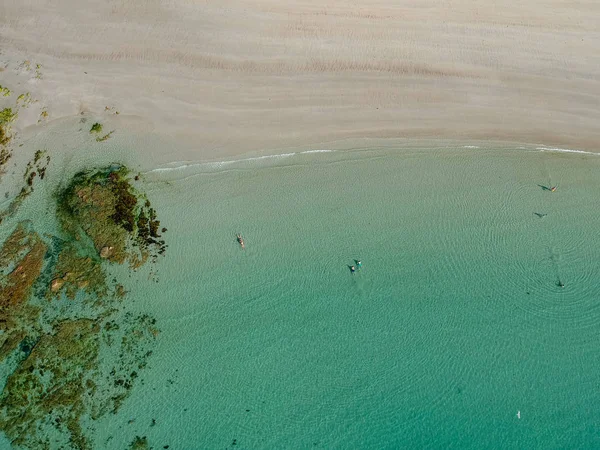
(240, 241)
(358, 263)
(553, 189)
(352, 269)
(560, 284)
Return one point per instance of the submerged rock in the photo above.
(139, 443)
(59, 377)
(75, 271)
(51, 383)
(105, 252)
(21, 262)
(21, 258)
(57, 284)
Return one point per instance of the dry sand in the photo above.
(230, 77)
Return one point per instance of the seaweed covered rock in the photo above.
(58, 377)
(21, 262)
(102, 205)
(76, 271)
(47, 390)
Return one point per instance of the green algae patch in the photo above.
(4, 91)
(24, 99)
(105, 137)
(6, 117)
(4, 134)
(96, 128)
(36, 169)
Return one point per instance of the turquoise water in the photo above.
(454, 324)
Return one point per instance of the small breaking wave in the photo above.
(176, 166)
(212, 166)
(564, 150)
(316, 151)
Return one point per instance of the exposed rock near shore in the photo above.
(104, 206)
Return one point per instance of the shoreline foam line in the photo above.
(564, 150)
(216, 164)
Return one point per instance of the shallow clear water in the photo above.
(454, 323)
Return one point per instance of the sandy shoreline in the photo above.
(254, 77)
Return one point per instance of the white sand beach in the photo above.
(227, 78)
